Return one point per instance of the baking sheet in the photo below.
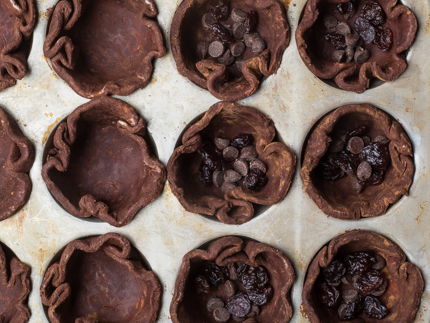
(164, 231)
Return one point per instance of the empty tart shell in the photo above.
(386, 65)
(16, 159)
(188, 306)
(228, 82)
(14, 287)
(104, 47)
(99, 163)
(228, 120)
(405, 283)
(100, 279)
(18, 19)
(337, 198)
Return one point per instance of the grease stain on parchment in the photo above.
(427, 26)
(46, 135)
(303, 311)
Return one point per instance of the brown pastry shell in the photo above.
(18, 19)
(337, 198)
(100, 279)
(385, 66)
(14, 288)
(16, 159)
(228, 83)
(405, 283)
(99, 163)
(188, 306)
(227, 120)
(104, 47)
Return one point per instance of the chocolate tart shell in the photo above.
(227, 83)
(405, 283)
(385, 66)
(337, 198)
(187, 306)
(18, 19)
(100, 279)
(227, 120)
(16, 159)
(14, 288)
(99, 163)
(104, 46)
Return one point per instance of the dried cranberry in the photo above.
(373, 308)
(205, 175)
(373, 12)
(220, 32)
(242, 267)
(334, 272)
(211, 157)
(347, 8)
(251, 21)
(383, 38)
(254, 277)
(329, 172)
(260, 296)
(328, 294)
(377, 155)
(220, 9)
(365, 29)
(239, 304)
(376, 178)
(336, 40)
(352, 309)
(358, 262)
(255, 179)
(217, 275)
(347, 161)
(242, 140)
(369, 281)
(202, 285)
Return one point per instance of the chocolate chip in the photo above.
(214, 303)
(202, 49)
(342, 134)
(225, 187)
(237, 49)
(228, 288)
(382, 139)
(349, 295)
(343, 28)
(250, 38)
(351, 39)
(216, 49)
(380, 262)
(354, 278)
(338, 55)
(361, 55)
(257, 163)
(241, 166)
(226, 59)
(218, 178)
(248, 153)
(355, 184)
(250, 320)
(343, 311)
(366, 140)
(336, 283)
(230, 153)
(239, 64)
(238, 318)
(347, 279)
(238, 15)
(228, 28)
(231, 176)
(258, 46)
(238, 30)
(364, 171)
(207, 20)
(221, 314)
(336, 145)
(221, 143)
(255, 310)
(349, 54)
(232, 272)
(355, 145)
(330, 23)
(381, 289)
